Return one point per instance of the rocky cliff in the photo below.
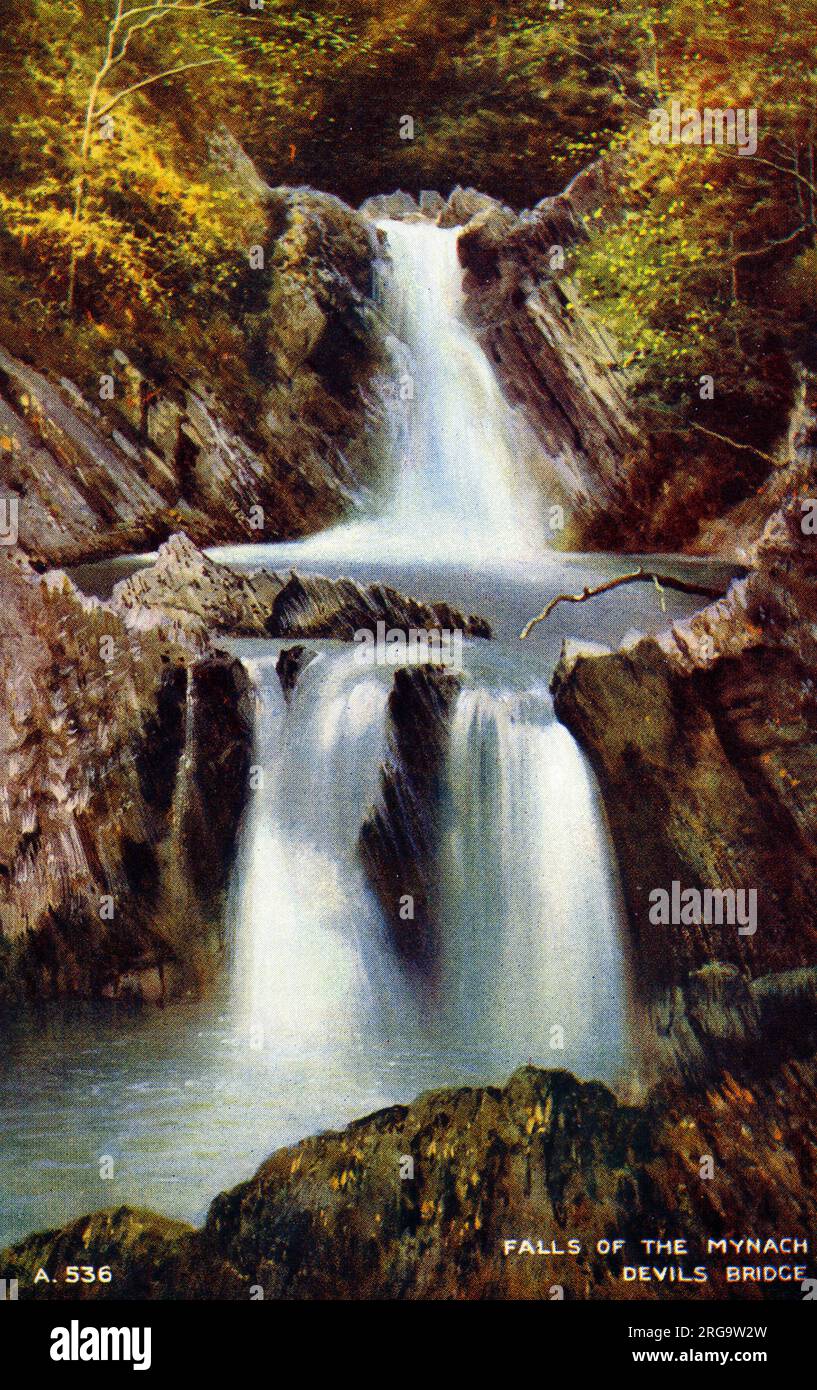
(184, 586)
(704, 740)
(399, 841)
(269, 431)
(113, 743)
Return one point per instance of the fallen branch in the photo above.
(639, 576)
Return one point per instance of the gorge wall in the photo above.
(272, 434)
(704, 740)
(123, 752)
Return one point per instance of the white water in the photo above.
(529, 912)
(459, 456)
(532, 908)
(309, 941)
(529, 916)
(456, 445)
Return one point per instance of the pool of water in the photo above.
(187, 1101)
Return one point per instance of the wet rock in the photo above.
(290, 664)
(400, 838)
(431, 202)
(202, 596)
(462, 205)
(704, 741)
(122, 754)
(395, 205)
(736, 533)
(311, 605)
(719, 1020)
(552, 359)
(219, 735)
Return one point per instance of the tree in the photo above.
(124, 24)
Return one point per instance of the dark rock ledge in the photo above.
(544, 1156)
(184, 586)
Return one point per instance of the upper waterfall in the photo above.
(458, 460)
(458, 447)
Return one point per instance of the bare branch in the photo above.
(639, 576)
(735, 443)
(154, 14)
(157, 77)
(770, 246)
(759, 159)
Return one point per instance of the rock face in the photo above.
(123, 753)
(736, 533)
(543, 1157)
(186, 587)
(290, 664)
(280, 445)
(551, 358)
(704, 741)
(718, 1020)
(399, 840)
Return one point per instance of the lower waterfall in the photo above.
(529, 908)
(306, 929)
(531, 900)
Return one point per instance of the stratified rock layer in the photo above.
(279, 445)
(183, 585)
(704, 741)
(122, 753)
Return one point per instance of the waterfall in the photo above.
(458, 448)
(460, 460)
(529, 916)
(531, 960)
(529, 963)
(306, 935)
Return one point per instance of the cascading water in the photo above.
(308, 941)
(460, 457)
(456, 443)
(529, 903)
(531, 924)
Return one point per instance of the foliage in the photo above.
(705, 270)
